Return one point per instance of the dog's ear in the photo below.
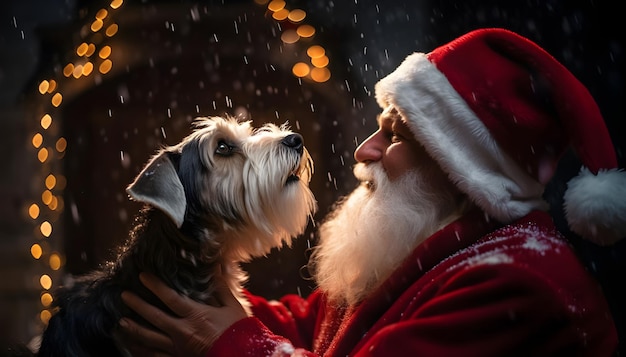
(158, 185)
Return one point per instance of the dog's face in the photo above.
(249, 187)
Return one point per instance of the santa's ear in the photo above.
(158, 185)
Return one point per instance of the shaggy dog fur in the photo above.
(225, 194)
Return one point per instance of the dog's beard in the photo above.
(275, 208)
(374, 229)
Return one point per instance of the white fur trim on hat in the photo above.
(458, 140)
(595, 205)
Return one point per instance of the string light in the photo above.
(46, 120)
(33, 211)
(276, 5)
(36, 251)
(105, 52)
(317, 68)
(46, 281)
(296, 15)
(84, 66)
(37, 140)
(111, 30)
(90, 54)
(43, 86)
(300, 69)
(116, 3)
(306, 31)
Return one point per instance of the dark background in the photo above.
(174, 60)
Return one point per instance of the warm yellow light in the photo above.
(276, 5)
(51, 181)
(54, 203)
(57, 99)
(46, 197)
(68, 70)
(61, 145)
(87, 68)
(42, 155)
(320, 62)
(300, 69)
(36, 251)
(305, 31)
(320, 74)
(46, 299)
(101, 14)
(96, 25)
(52, 86)
(33, 211)
(90, 50)
(111, 30)
(280, 15)
(46, 229)
(43, 86)
(296, 15)
(105, 52)
(78, 71)
(105, 66)
(82, 49)
(57, 204)
(55, 261)
(116, 3)
(46, 120)
(45, 281)
(289, 36)
(37, 140)
(45, 316)
(315, 51)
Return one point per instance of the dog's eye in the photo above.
(223, 148)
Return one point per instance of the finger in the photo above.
(155, 316)
(179, 304)
(137, 337)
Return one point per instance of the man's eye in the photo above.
(223, 148)
(395, 137)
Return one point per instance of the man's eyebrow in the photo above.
(388, 113)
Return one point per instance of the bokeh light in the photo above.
(33, 211)
(36, 251)
(300, 69)
(46, 281)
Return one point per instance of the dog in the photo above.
(225, 194)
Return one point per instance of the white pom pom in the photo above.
(595, 205)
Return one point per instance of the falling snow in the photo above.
(202, 60)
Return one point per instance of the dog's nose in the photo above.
(294, 141)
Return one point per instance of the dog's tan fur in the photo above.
(223, 195)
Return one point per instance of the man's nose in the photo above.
(369, 150)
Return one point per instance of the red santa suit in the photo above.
(496, 112)
(469, 290)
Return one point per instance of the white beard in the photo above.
(370, 232)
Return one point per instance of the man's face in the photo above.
(394, 146)
(404, 197)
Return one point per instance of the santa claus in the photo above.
(446, 247)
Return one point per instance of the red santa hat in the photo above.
(497, 112)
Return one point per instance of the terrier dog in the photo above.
(225, 194)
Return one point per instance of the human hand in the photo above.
(191, 332)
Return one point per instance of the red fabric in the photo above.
(526, 98)
(517, 291)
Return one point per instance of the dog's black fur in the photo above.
(89, 311)
(186, 253)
